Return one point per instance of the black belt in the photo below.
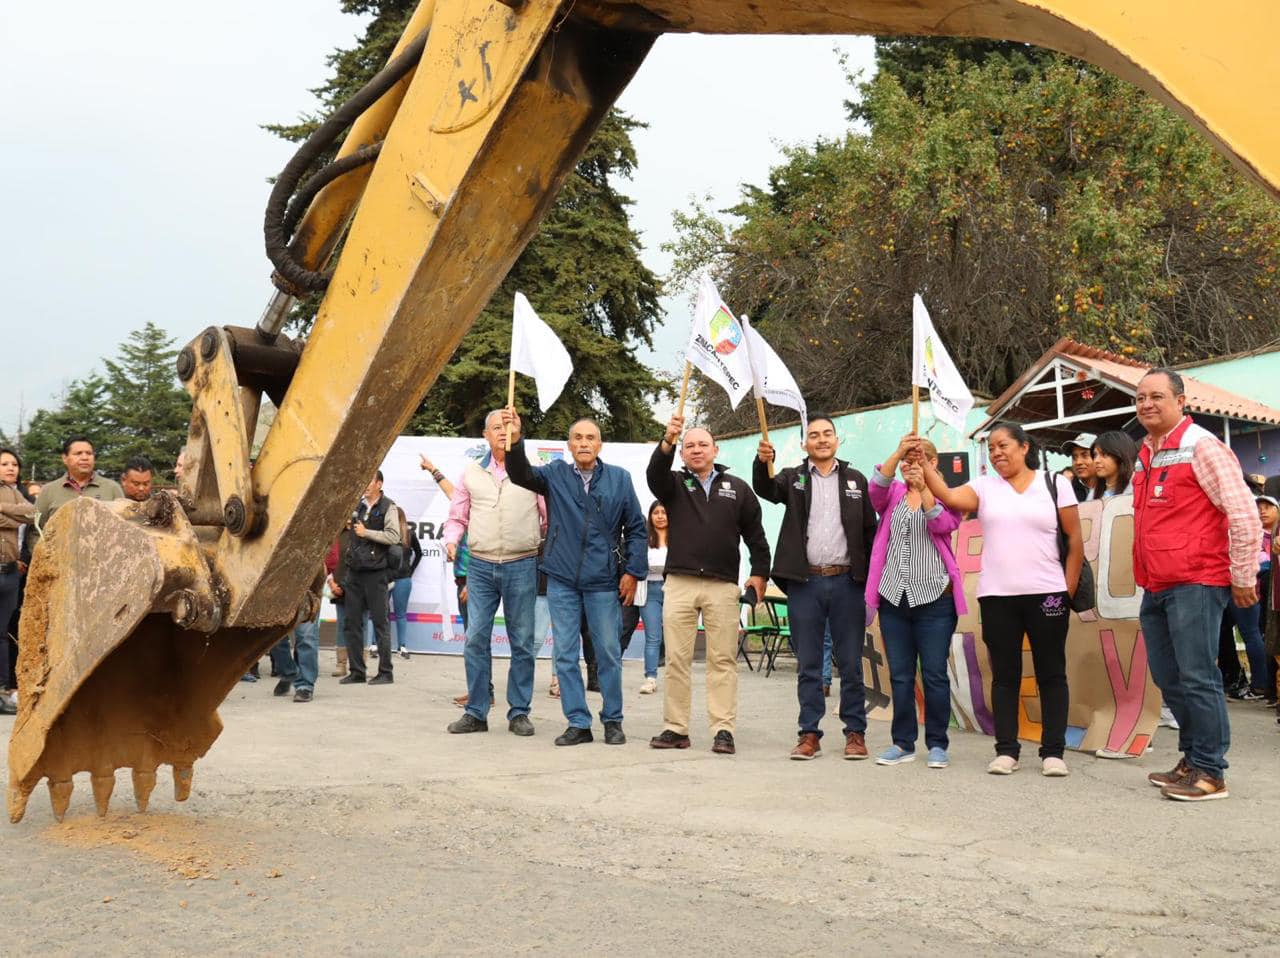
(7, 567)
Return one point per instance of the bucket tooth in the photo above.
(103, 785)
(18, 803)
(60, 797)
(182, 782)
(143, 784)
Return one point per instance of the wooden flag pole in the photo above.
(511, 401)
(684, 388)
(915, 409)
(764, 429)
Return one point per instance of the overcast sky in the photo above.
(135, 166)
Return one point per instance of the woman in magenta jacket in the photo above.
(915, 584)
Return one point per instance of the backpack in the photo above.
(400, 557)
(1086, 595)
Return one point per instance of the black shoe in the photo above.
(282, 687)
(302, 695)
(593, 679)
(723, 745)
(613, 734)
(468, 723)
(520, 725)
(383, 678)
(352, 679)
(575, 736)
(7, 709)
(669, 739)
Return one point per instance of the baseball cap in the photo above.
(1270, 499)
(1085, 441)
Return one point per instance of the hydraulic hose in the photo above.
(285, 209)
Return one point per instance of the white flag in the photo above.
(536, 351)
(932, 368)
(716, 343)
(772, 380)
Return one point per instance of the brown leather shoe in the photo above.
(1196, 786)
(826, 691)
(807, 749)
(855, 746)
(723, 744)
(1161, 779)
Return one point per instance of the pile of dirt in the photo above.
(187, 847)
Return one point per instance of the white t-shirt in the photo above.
(1020, 536)
(657, 562)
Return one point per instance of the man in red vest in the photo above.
(1195, 547)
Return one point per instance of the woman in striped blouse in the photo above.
(915, 584)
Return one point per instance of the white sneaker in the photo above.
(1166, 718)
(1002, 765)
(1054, 768)
(1111, 753)
(649, 686)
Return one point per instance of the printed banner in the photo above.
(1114, 702)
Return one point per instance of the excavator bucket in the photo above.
(121, 662)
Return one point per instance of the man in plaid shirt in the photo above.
(1196, 541)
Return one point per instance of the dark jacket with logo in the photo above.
(583, 530)
(369, 554)
(791, 487)
(705, 528)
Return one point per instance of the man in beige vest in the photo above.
(504, 525)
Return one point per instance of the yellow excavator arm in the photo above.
(140, 618)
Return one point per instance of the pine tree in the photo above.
(138, 408)
(146, 410)
(582, 273)
(80, 413)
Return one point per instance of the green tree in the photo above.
(146, 410)
(80, 413)
(582, 273)
(137, 408)
(1023, 205)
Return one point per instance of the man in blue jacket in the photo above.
(595, 551)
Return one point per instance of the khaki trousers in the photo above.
(683, 598)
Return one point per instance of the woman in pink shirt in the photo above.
(1023, 588)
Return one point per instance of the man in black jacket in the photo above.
(709, 511)
(375, 528)
(824, 545)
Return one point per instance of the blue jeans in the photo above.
(1181, 630)
(516, 584)
(400, 590)
(541, 623)
(604, 618)
(300, 663)
(1249, 622)
(814, 605)
(651, 616)
(922, 633)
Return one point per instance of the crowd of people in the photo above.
(566, 549)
